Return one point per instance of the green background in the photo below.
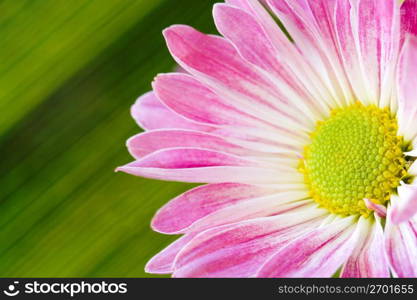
(69, 72)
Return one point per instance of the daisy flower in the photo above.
(305, 142)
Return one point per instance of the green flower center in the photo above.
(353, 155)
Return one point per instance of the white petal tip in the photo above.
(119, 169)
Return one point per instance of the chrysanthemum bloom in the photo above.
(306, 146)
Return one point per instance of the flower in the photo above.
(306, 146)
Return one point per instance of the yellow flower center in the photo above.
(353, 155)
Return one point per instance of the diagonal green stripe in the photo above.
(50, 40)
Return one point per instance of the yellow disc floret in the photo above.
(353, 155)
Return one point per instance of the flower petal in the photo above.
(298, 67)
(409, 17)
(193, 100)
(310, 24)
(261, 148)
(239, 249)
(253, 208)
(413, 168)
(205, 166)
(347, 43)
(199, 202)
(412, 153)
(243, 30)
(379, 209)
(151, 141)
(163, 262)
(378, 32)
(318, 253)
(406, 207)
(215, 62)
(270, 26)
(407, 92)
(150, 113)
(369, 257)
(368, 38)
(401, 245)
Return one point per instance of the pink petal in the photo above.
(178, 158)
(244, 31)
(311, 25)
(409, 17)
(151, 141)
(302, 70)
(248, 36)
(318, 253)
(378, 39)
(380, 210)
(243, 4)
(197, 203)
(150, 113)
(346, 39)
(368, 258)
(406, 207)
(275, 34)
(205, 166)
(368, 37)
(323, 22)
(401, 246)
(191, 99)
(162, 263)
(250, 209)
(215, 62)
(407, 92)
(261, 140)
(239, 249)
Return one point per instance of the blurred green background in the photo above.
(69, 72)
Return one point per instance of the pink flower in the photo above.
(306, 147)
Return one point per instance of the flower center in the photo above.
(353, 155)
